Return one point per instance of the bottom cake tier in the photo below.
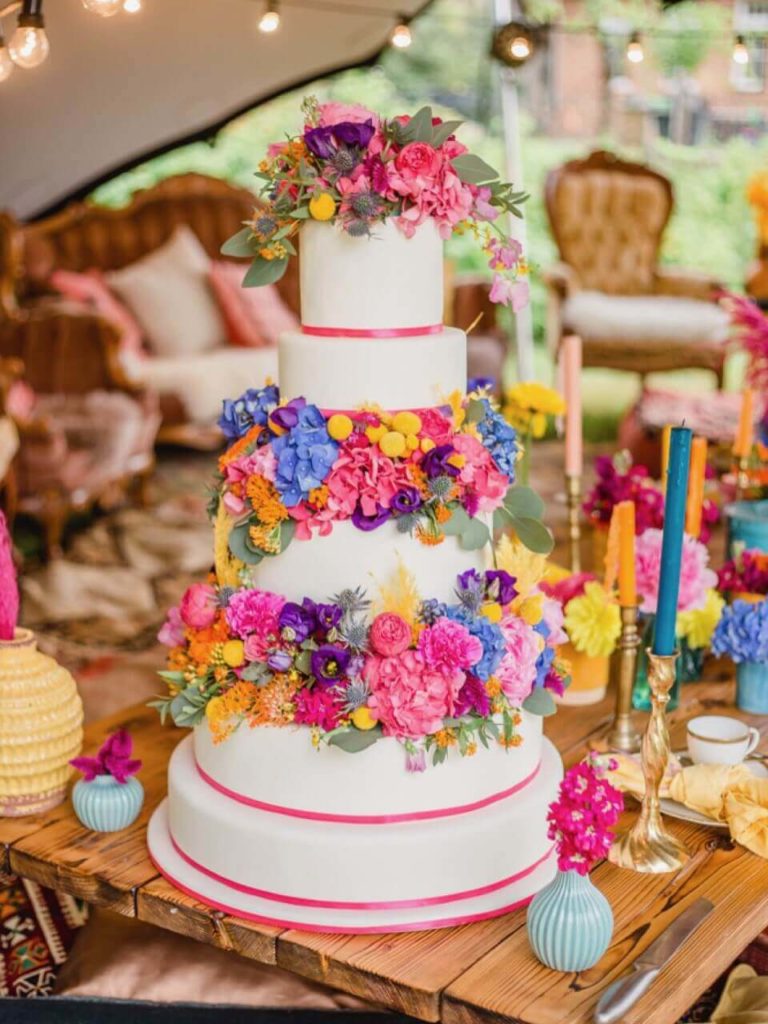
(333, 876)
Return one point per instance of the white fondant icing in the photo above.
(281, 767)
(348, 557)
(395, 373)
(384, 281)
(350, 863)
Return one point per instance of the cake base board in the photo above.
(220, 896)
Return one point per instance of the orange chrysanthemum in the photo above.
(266, 501)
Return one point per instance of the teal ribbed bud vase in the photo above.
(106, 805)
(570, 923)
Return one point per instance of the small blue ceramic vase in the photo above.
(752, 687)
(106, 805)
(570, 923)
(747, 525)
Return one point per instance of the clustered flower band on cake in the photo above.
(357, 169)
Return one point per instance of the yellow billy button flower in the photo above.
(427, 444)
(340, 426)
(375, 434)
(362, 719)
(322, 206)
(213, 708)
(532, 609)
(233, 653)
(406, 422)
(492, 611)
(411, 442)
(393, 444)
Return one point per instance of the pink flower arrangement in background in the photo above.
(581, 819)
(696, 578)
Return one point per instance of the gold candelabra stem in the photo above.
(623, 735)
(742, 477)
(573, 495)
(647, 846)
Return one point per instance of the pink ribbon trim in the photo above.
(368, 819)
(411, 926)
(298, 901)
(380, 332)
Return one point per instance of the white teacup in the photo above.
(718, 739)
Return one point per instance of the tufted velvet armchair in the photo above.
(608, 217)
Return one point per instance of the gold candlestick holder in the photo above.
(647, 846)
(742, 477)
(623, 735)
(573, 498)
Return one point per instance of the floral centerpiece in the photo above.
(742, 634)
(108, 797)
(530, 407)
(745, 576)
(570, 922)
(354, 168)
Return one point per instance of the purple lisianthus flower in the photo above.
(406, 500)
(287, 416)
(473, 696)
(329, 663)
(320, 142)
(328, 616)
(296, 623)
(252, 408)
(280, 661)
(368, 523)
(415, 759)
(500, 586)
(435, 462)
(325, 141)
(354, 133)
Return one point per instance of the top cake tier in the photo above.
(385, 282)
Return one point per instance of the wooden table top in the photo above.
(475, 973)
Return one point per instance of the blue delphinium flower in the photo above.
(489, 635)
(500, 438)
(250, 409)
(742, 632)
(305, 455)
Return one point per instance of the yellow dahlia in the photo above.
(698, 625)
(593, 622)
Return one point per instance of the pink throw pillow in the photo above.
(255, 317)
(92, 290)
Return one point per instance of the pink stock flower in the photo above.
(198, 606)
(409, 699)
(320, 706)
(517, 671)
(696, 578)
(333, 112)
(580, 820)
(479, 474)
(509, 293)
(483, 208)
(364, 475)
(172, 630)
(390, 634)
(307, 521)
(447, 645)
(253, 616)
(260, 462)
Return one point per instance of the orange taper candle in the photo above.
(742, 446)
(666, 433)
(696, 477)
(625, 510)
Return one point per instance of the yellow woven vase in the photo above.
(41, 727)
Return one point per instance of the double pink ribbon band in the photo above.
(367, 819)
(380, 332)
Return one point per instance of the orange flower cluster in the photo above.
(266, 501)
(239, 447)
(205, 645)
(445, 738)
(318, 498)
(273, 704)
(428, 536)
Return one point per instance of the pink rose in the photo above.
(517, 671)
(198, 606)
(409, 699)
(447, 645)
(418, 160)
(172, 630)
(390, 634)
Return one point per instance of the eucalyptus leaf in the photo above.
(240, 546)
(540, 702)
(263, 272)
(501, 519)
(476, 410)
(442, 132)
(419, 128)
(354, 740)
(533, 534)
(458, 523)
(172, 677)
(476, 535)
(287, 531)
(523, 501)
(473, 170)
(257, 672)
(240, 244)
(303, 663)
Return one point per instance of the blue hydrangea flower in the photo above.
(489, 635)
(251, 408)
(543, 665)
(305, 456)
(500, 438)
(742, 632)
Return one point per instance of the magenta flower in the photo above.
(447, 645)
(113, 758)
(581, 818)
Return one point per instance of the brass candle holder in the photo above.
(742, 477)
(623, 735)
(647, 846)
(573, 498)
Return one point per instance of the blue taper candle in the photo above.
(664, 638)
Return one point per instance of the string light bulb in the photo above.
(6, 64)
(401, 37)
(131, 6)
(520, 48)
(740, 53)
(514, 43)
(635, 52)
(270, 19)
(29, 44)
(104, 8)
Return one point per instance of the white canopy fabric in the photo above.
(115, 90)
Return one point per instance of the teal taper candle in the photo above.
(664, 638)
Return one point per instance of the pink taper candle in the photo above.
(571, 363)
(9, 589)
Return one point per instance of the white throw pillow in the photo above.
(169, 294)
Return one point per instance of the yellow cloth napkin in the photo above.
(746, 811)
(703, 787)
(744, 999)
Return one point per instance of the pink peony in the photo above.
(480, 474)
(390, 634)
(172, 630)
(696, 578)
(198, 606)
(338, 113)
(418, 164)
(447, 645)
(364, 475)
(253, 616)
(517, 671)
(436, 426)
(409, 699)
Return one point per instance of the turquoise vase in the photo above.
(641, 692)
(747, 525)
(106, 805)
(569, 923)
(752, 687)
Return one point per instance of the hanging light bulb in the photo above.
(635, 53)
(514, 43)
(29, 44)
(104, 8)
(270, 19)
(740, 53)
(520, 48)
(400, 36)
(131, 6)
(6, 64)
